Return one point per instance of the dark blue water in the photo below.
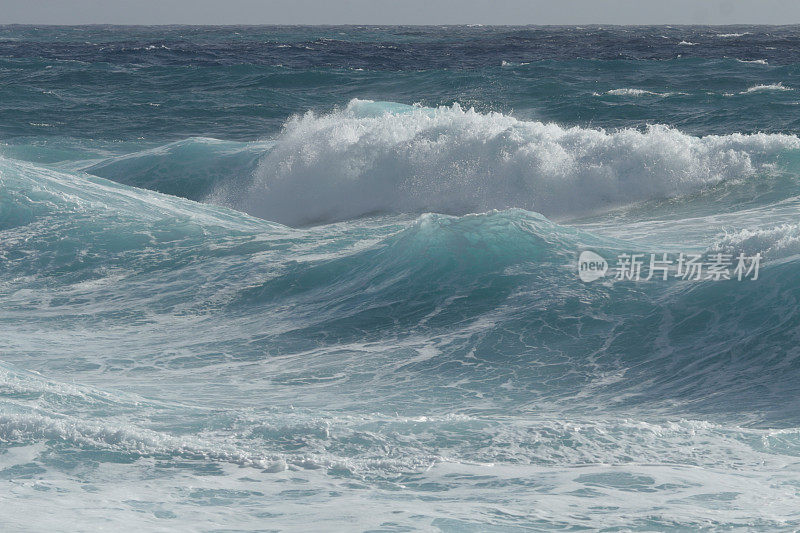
(100, 82)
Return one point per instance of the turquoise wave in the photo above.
(491, 298)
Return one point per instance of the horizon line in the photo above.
(375, 25)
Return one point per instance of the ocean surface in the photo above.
(326, 278)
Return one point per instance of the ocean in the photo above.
(334, 278)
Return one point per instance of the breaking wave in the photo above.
(376, 157)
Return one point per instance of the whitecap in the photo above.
(636, 92)
(768, 87)
(753, 61)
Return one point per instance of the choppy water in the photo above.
(287, 278)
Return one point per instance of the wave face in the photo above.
(192, 168)
(317, 294)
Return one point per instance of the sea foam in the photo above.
(778, 241)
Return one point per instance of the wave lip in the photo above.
(374, 157)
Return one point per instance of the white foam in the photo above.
(779, 240)
(386, 158)
(634, 92)
(769, 87)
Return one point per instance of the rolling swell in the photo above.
(478, 300)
